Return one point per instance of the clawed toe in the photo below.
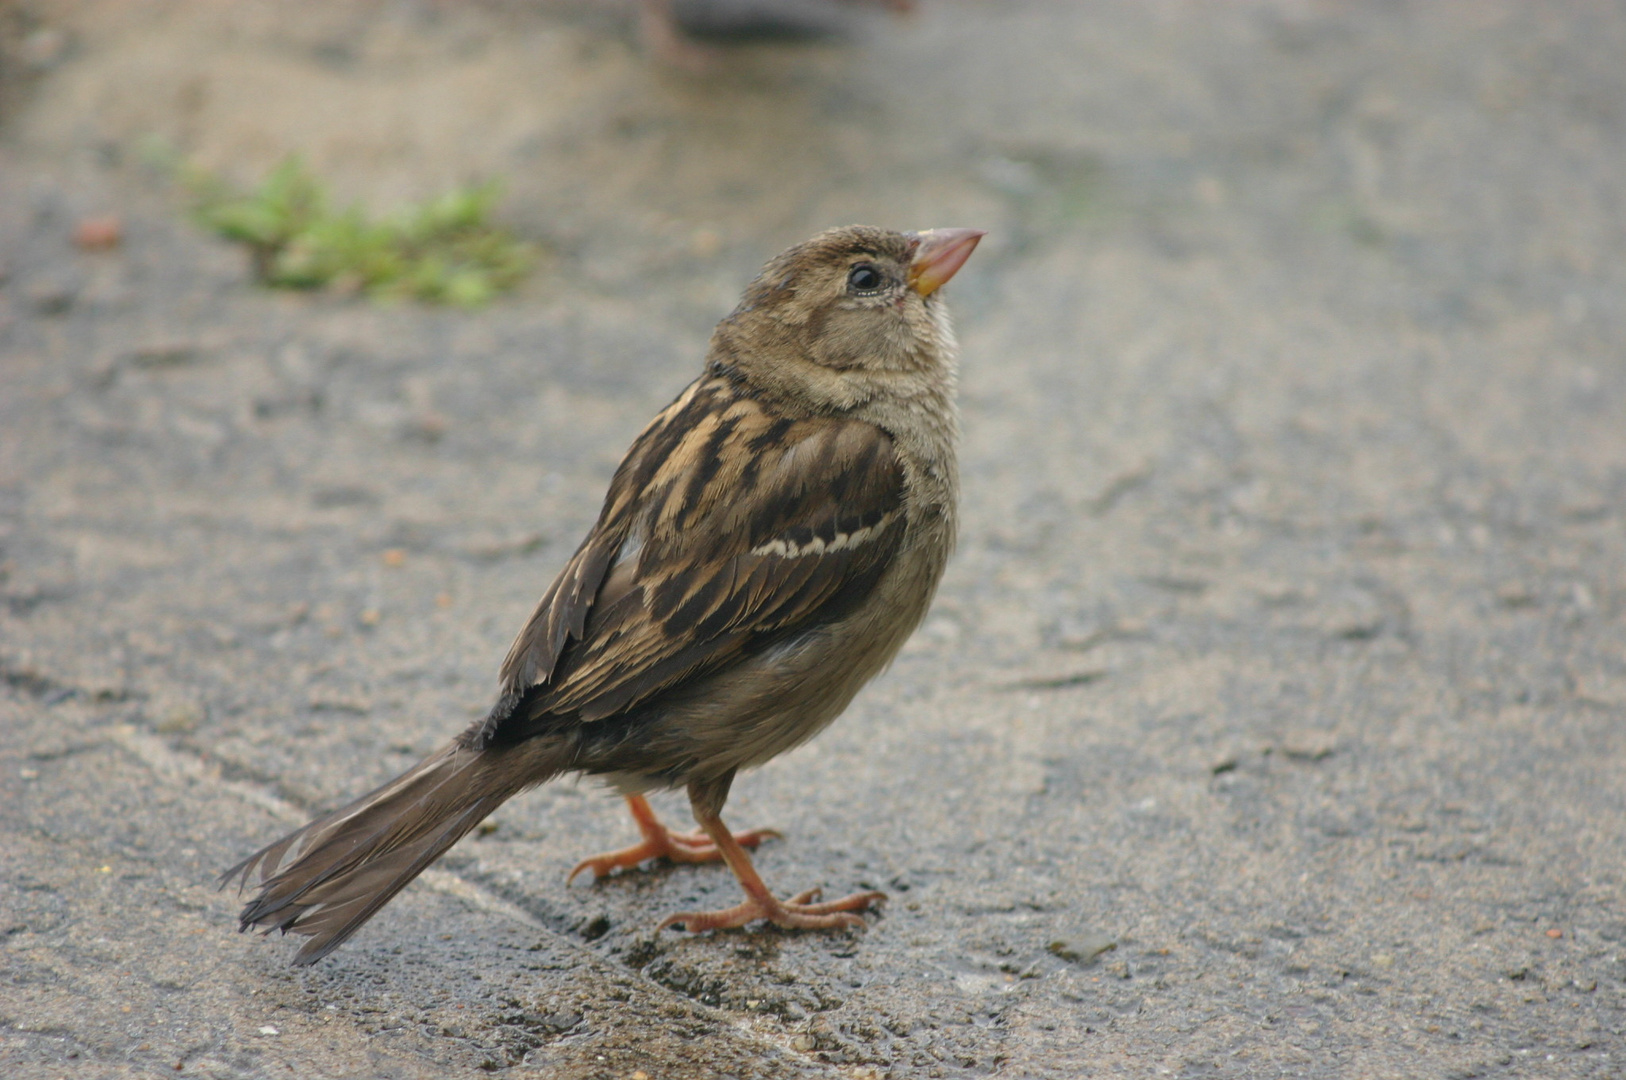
(606, 864)
(716, 843)
(701, 844)
(659, 842)
(799, 913)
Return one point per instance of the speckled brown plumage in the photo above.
(770, 540)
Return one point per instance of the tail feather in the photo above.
(328, 878)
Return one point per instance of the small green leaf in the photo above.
(444, 250)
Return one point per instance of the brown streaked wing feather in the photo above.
(750, 525)
(561, 614)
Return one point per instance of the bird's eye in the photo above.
(864, 278)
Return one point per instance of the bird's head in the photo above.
(851, 300)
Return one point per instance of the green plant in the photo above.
(444, 250)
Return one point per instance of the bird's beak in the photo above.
(939, 254)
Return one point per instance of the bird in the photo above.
(768, 543)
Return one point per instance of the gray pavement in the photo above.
(1271, 720)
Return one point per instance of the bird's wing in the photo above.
(724, 524)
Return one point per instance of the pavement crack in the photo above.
(180, 767)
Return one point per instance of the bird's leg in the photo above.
(801, 912)
(659, 841)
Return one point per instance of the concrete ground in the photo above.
(1271, 720)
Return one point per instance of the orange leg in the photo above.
(661, 842)
(800, 912)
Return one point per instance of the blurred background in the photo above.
(1272, 707)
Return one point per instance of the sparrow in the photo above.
(766, 546)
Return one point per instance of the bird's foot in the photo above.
(678, 847)
(800, 912)
(660, 842)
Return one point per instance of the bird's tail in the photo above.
(327, 878)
